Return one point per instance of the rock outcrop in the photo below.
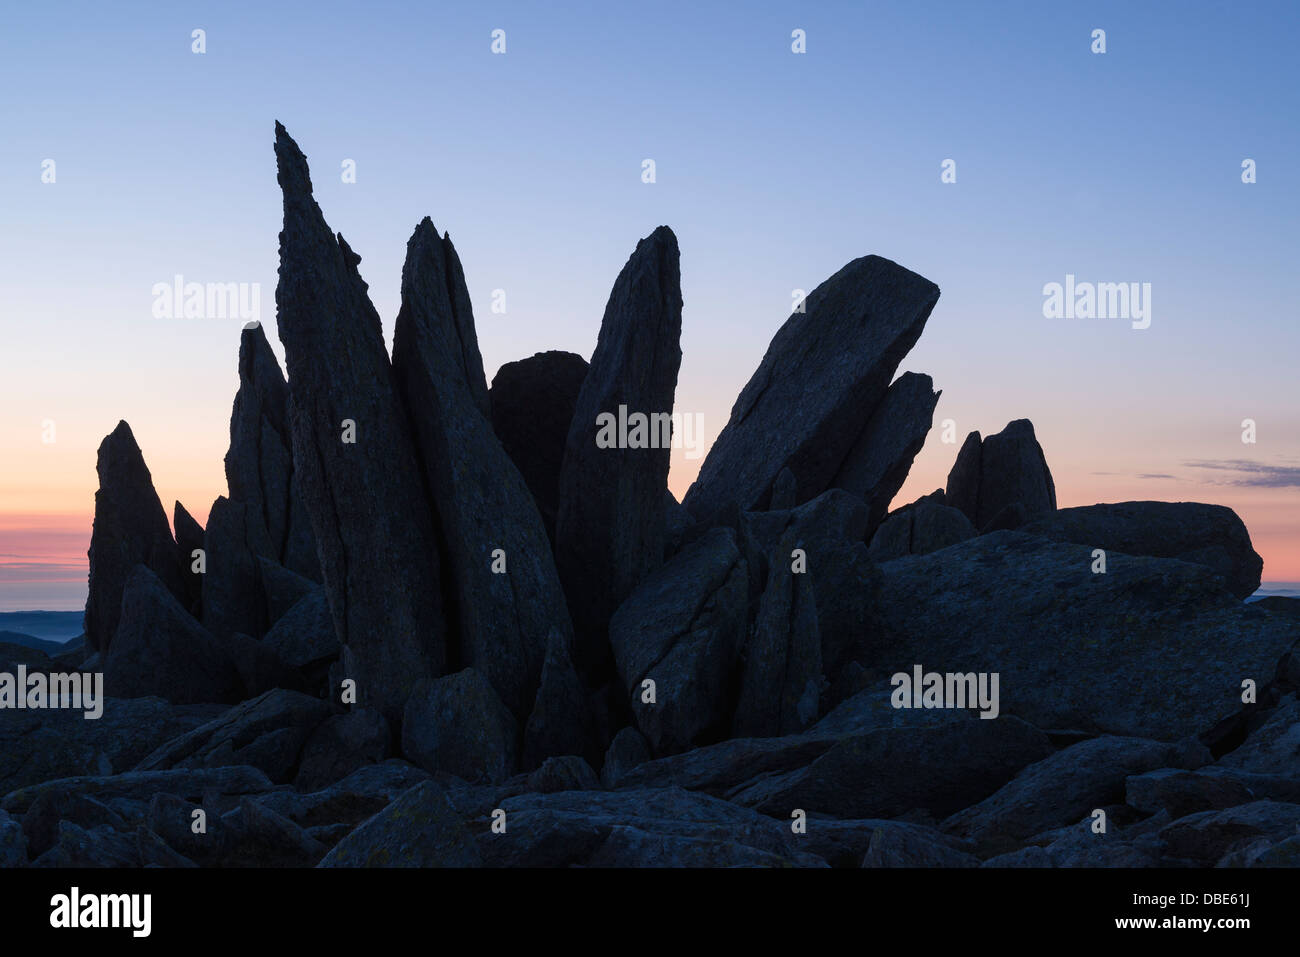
(1001, 472)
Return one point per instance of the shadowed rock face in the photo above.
(803, 407)
(507, 594)
(532, 408)
(130, 529)
(259, 463)
(1152, 648)
(233, 598)
(366, 499)
(991, 477)
(877, 465)
(189, 536)
(1209, 535)
(610, 529)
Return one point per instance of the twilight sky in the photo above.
(773, 168)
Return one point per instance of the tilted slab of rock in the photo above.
(458, 725)
(234, 543)
(1210, 535)
(259, 462)
(609, 527)
(267, 732)
(532, 408)
(305, 634)
(1153, 648)
(130, 529)
(682, 630)
(1274, 747)
(508, 597)
(561, 722)
(366, 498)
(1207, 837)
(40, 746)
(161, 651)
(189, 539)
(420, 829)
(878, 462)
(919, 530)
(1001, 472)
(825, 368)
(143, 785)
(1066, 787)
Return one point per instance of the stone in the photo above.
(1274, 747)
(1153, 648)
(160, 651)
(233, 597)
(626, 752)
(566, 773)
(1001, 470)
(304, 635)
(919, 530)
(532, 408)
(420, 829)
(365, 498)
(1207, 837)
(341, 744)
(130, 529)
(508, 597)
(609, 526)
(682, 629)
(1209, 535)
(561, 721)
(189, 539)
(189, 783)
(877, 464)
(282, 588)
(825, 368)
(458, 725)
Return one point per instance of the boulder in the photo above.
(877, 464)
(1000, 471)
(1274, 747)
(1153, 648)
(561, 721)
(234, 543)
(341, 744)
(828, 366)
(355, 460)
(420, 829)
(130, 529)
(609, 526)
(626, 752)
(283, 588)
(507, 594)
(458, 725)
(1209, 535)
(1207, 837)
(304, 635)
(566, 773)
(919, 530)
(189, 539)
(532, 408)
(682, 630)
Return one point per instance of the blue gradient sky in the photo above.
(774, 169)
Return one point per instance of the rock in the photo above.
(803, 407)
(304, 635)
(532, 408)
(609, 526)
(1280, 605)
(785, 492)
(626, 751)
(567, 773)
(844, 582)
(919, 530)
(876, 466)
(678, 523)
(190, 783)
(1209, 535)
(895, 844)
(831, 519)
(41, 821)
(160, 651)
(154, 852)
(645, 828)
(172, 820)
(1009, 517)
(1274, 748)
(1153, 648)
(892, 771)
(341, 744)
(260, 669)
(233, 597)
(267, 732)
(13, 844)
(40, 746)
(682, 630)
(283, 588)
(722, 768)
(1187, 792)
(458, 725)
(267, 839)
(130, 529)
(259, 463)
(419, 829)
(508, 597)
(561, 721)
(189, 539)
(1206, 837)
(1060, 789)
(781, 682)
(1001, 470)
(79, 847)
(361, 484)
(362, 794)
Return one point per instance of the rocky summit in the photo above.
(433, 624)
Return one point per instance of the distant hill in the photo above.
(51, 626)
(29, 641)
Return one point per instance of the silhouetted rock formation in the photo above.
(507, 594)
(532, 408)
(365, 497)
(458, 725)
(189, 538)
(1209, 535)
(920, 529)
(1001, 472)
(825, 369)
(234, 542)
(609, 529)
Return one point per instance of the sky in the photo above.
(774, 168)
